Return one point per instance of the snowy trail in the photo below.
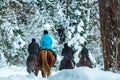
(19, 73)
(82, 73)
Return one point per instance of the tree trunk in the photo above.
(67, 8)
(110, 32)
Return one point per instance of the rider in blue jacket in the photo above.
(46, 42)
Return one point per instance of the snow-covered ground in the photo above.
(81, 73)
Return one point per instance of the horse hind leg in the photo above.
(43, 73)
(29, 69)
(36, 70)
(48, 71)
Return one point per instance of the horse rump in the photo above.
(32, 63)
(46, 60)
(86, 63)
(66, 64)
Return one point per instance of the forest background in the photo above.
(73, 21)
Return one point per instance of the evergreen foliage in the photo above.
(21, 21)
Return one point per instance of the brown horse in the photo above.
(87, 63)
(32, 64)
(66, 63)
(46, 61)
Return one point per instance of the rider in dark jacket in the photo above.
(67, 52)
(33, 47)
(84, 53)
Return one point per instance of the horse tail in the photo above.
(45, 66)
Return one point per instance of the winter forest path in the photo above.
(81, 73)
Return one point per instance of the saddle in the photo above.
(52, 52)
